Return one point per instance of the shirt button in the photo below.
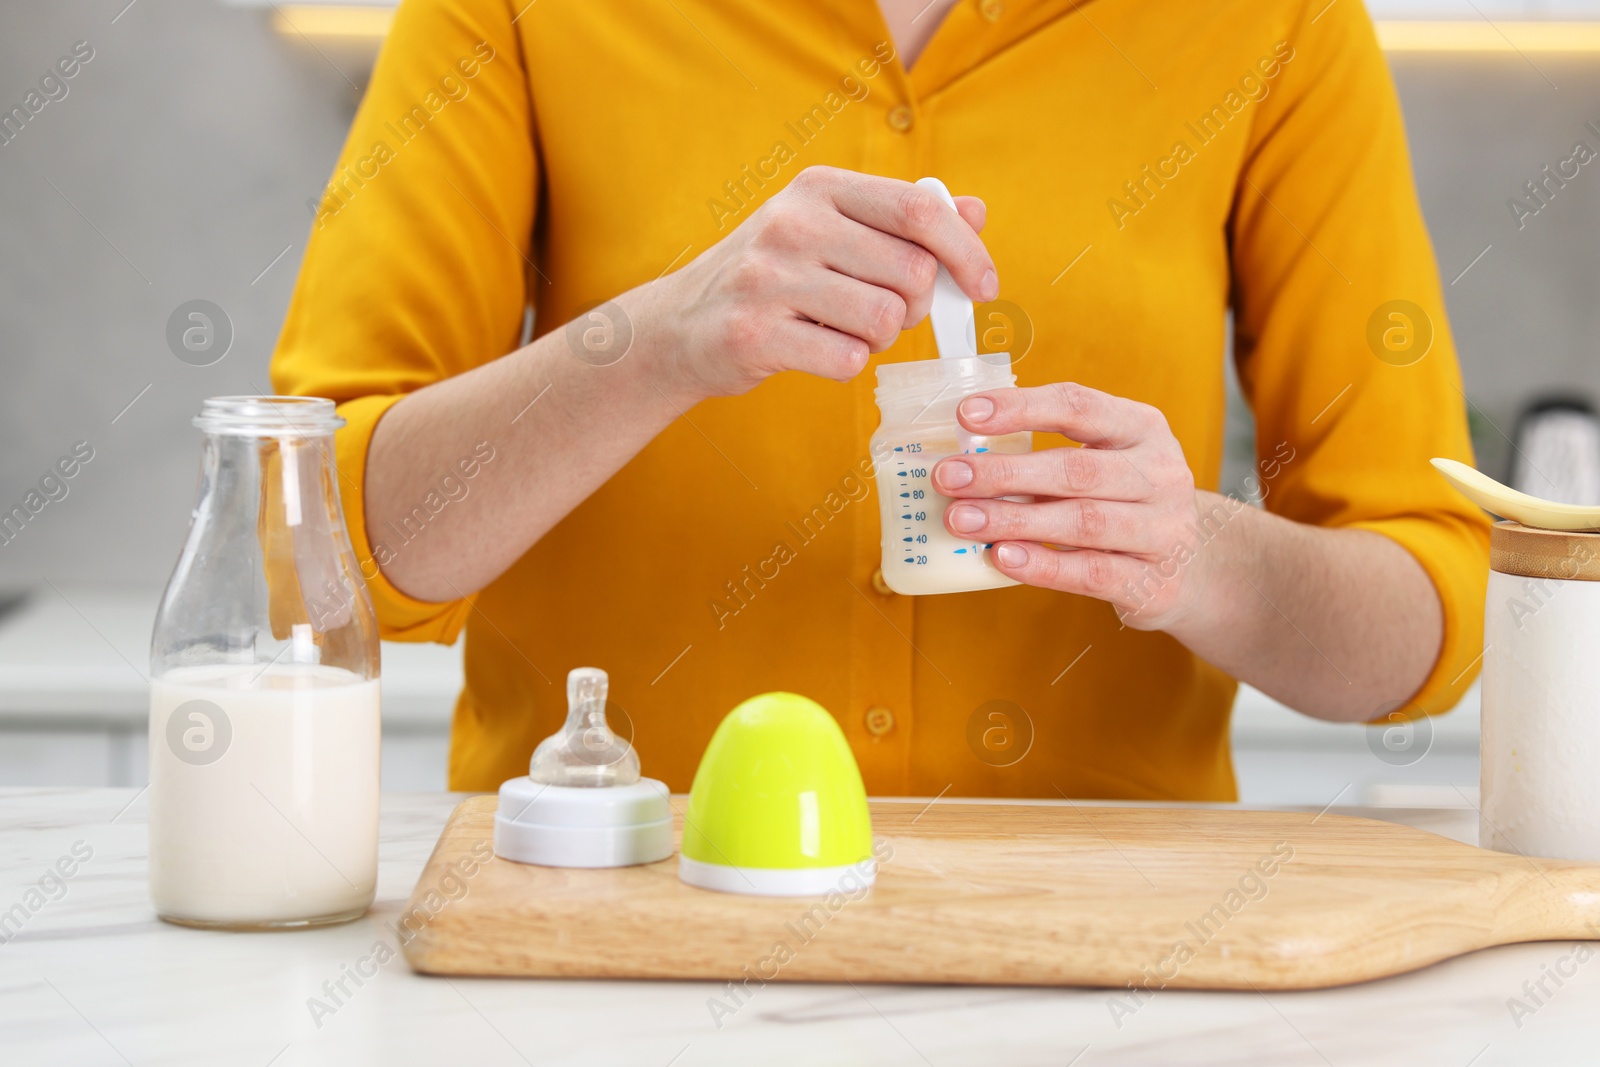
(991, 9)
(880, 721)
(879, 584)
(900, 118)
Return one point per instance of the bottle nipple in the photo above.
(585, 752)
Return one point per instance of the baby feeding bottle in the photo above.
(917, 403)
(264, 718)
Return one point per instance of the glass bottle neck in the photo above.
(267, 576)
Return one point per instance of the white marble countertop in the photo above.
(92, 977)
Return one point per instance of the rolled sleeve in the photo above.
(416, 267)
(400, 617)
(1455, 556)
(1329, 242)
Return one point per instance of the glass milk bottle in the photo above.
(264, 722)
(917, 401)
(1540, 771)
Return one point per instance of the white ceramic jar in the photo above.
(1540, 772)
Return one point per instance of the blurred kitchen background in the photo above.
(183, 162)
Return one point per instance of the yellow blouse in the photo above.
(1147, 166)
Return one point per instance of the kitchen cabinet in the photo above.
(73, 713)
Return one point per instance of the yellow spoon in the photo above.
(1506, 502)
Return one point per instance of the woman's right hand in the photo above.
(828, 270)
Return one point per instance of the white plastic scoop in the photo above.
(1508, 503)
(955, 328)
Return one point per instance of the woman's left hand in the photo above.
(1116, 519)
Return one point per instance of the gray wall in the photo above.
(190, 143)
(1526, 315)
(194, 137)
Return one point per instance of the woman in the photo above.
(673, 485)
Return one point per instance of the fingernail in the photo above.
(964, 518)
(1012, 555)
(989, 287)
(953, 474)
(977, 409)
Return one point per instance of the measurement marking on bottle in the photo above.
(921, 530)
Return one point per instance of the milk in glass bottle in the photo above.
(264, 722)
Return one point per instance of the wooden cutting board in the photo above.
(1018, 895)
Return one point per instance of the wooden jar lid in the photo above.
(1518, 549)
